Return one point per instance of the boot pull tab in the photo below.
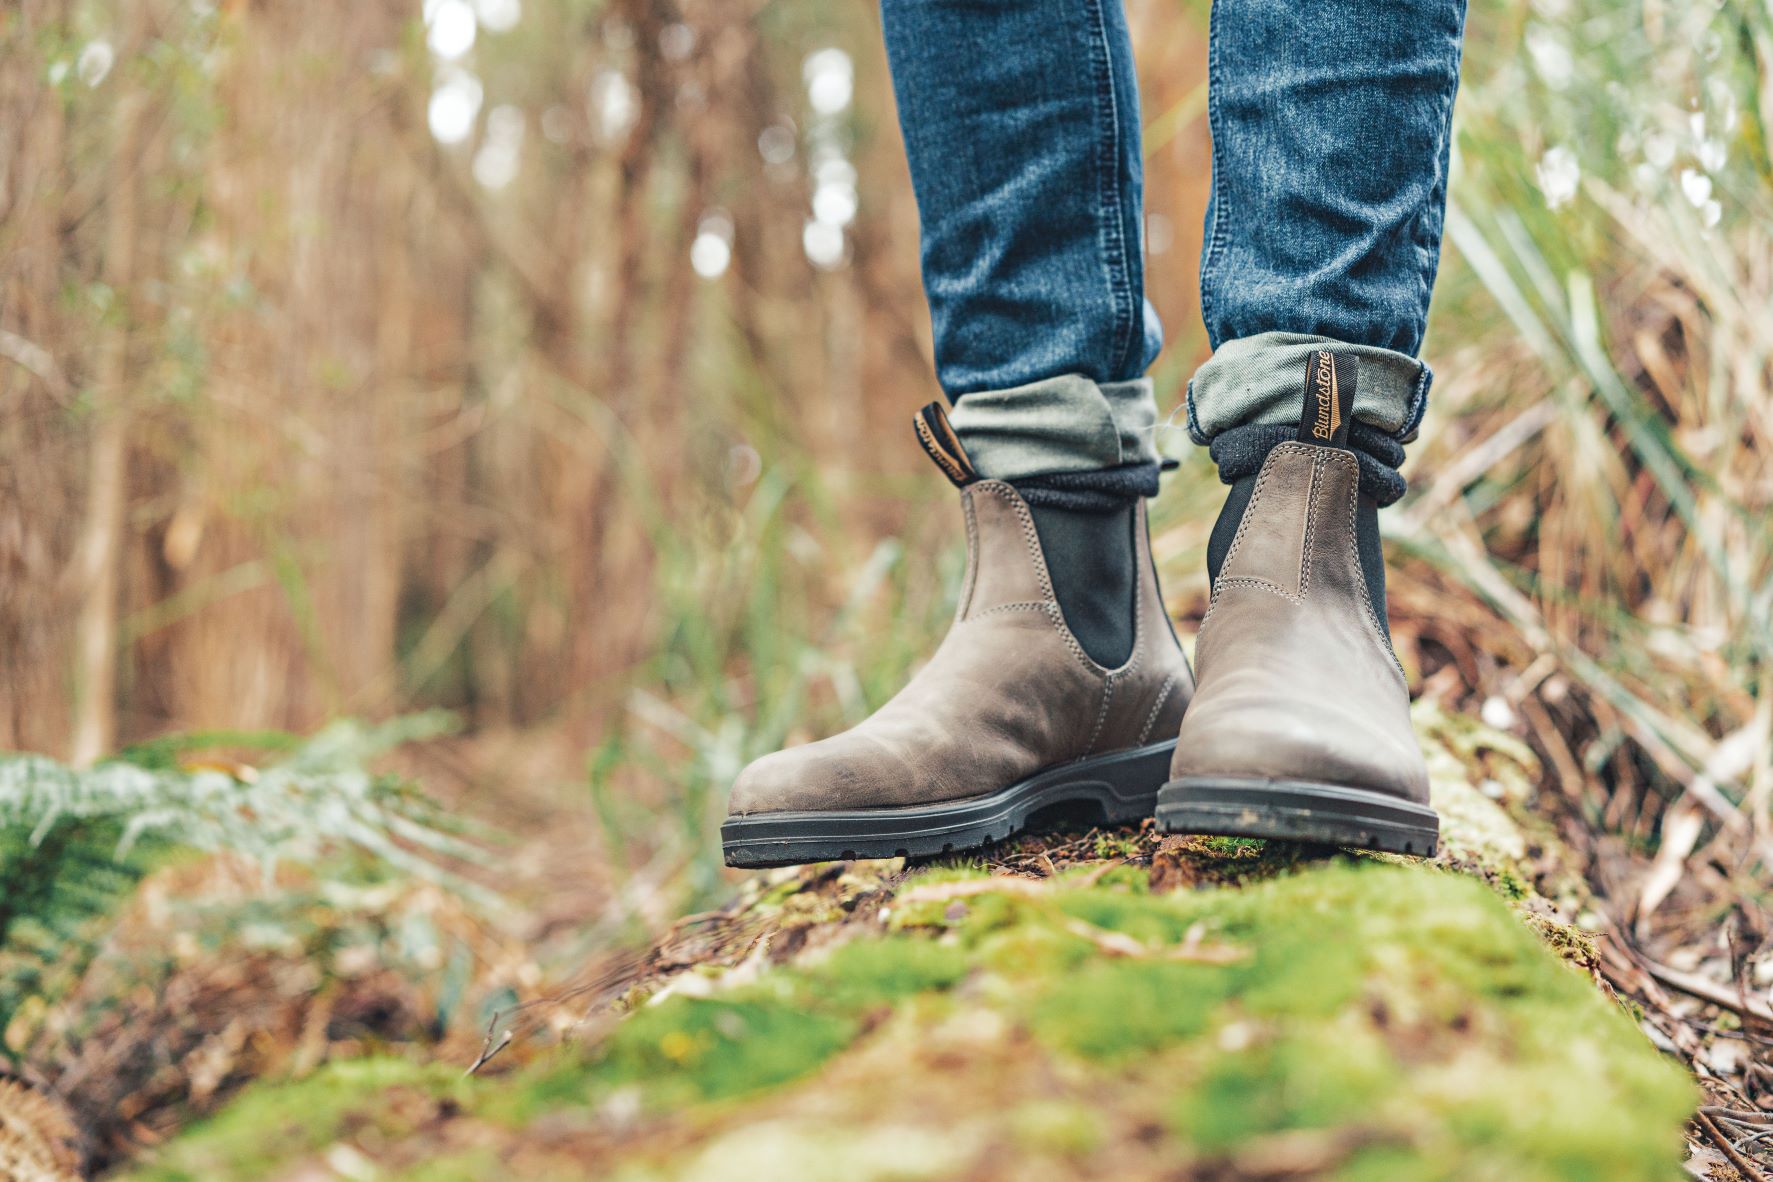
(938, 438)
(1330, 382)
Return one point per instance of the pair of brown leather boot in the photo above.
(1297, 726)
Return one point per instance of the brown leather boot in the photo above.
(1301, 726)
(1010, 718)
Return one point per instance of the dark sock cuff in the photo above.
(1240, 451)
(1101, 491)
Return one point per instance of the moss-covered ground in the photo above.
(1183, 1008)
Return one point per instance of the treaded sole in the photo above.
(1101, 790)
(1298, 810)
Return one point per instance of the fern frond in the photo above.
(74, 841)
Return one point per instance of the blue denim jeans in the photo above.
(1331, 128)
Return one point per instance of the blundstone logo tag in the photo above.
(1330, 380)
(1323, 387)
(943, 445)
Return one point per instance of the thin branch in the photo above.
(1746, 1168)
(1707, 990)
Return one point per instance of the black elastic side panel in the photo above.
(1372, 555)
(1225, 529)
(1090, 558)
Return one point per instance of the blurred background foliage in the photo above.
(550, 362)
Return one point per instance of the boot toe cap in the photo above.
(767, 785)
(1261, 740)
(830, 774)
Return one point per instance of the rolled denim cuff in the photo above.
(1261, 379)
(1064, 424)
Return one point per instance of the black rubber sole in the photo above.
(1101, 790)
(1297, 810)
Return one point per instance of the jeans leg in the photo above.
(1331, 128)
(1021, 124)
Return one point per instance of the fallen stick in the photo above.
(1746, 1168)
(1705, 989)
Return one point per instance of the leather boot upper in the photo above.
(1008, 693)
(1297, 678)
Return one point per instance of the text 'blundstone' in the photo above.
(1300, 728)
(1009, 719)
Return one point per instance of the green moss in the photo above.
(685, 1051)
(812, 1150)
(1375, 999)
(1149, 919)
(275, 1123)
(955, 870)
(1033, 952)
(867, 973)
(1404, 1014)
(476, 1165)
(1117, 844)
(778, 894)
(1304, 1080)
(1126, 876)
(688, 1050)
(1568, 940)
(1232, 847)
(976, 913)
(1116, 1009)
(1508, 884)
(1058, 1128)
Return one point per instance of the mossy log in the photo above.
(1112, 1004)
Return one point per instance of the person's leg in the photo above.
(1060, 683)
(1332, 125)
(1331, 129)
(1021, 127)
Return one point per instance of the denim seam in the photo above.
(1108, 212)
(1216, 236)
(1434, 209)
(1418, 404)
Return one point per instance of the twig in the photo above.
(1717, 1031)
(1708, 990)
(1742, 1116)
(488, 1048)
(1746, 1168)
